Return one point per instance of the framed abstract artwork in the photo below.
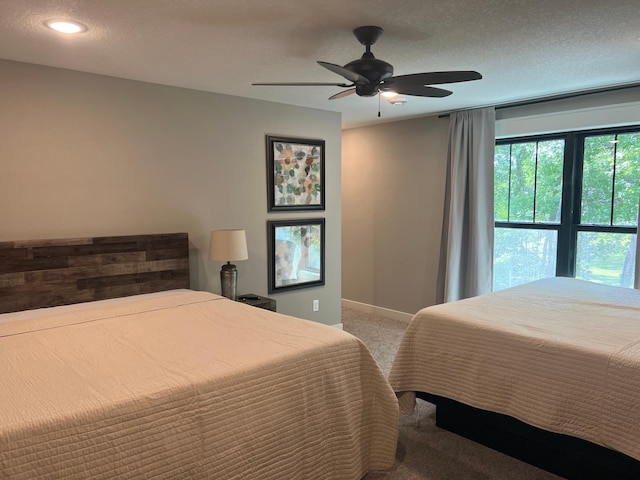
(295, 174)
(295, 253)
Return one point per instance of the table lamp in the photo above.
(228, 246)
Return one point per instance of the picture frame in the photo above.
(295, 173)
(296, 253)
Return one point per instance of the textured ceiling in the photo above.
(523, 49)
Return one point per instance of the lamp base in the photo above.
(229, 281)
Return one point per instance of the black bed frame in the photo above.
(563, 455)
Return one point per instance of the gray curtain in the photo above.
(466, 251)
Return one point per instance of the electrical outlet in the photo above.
(316, 305)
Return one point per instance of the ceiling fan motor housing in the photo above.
(373, 70)
(368, 66)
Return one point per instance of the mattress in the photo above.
(189, 385)
(560, 354)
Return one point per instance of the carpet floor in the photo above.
(426, 452)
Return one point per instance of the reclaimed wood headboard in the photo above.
(47, 273)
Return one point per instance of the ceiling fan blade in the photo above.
(346, 73)
(342, 94)
(304, 84)
(418, 91)
(432, 78)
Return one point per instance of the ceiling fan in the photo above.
(370, 76)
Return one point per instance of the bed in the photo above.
(548, 372)
(130, 374)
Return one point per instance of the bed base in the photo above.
(563, 455)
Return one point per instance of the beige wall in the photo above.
(393, 180)
(87, 155)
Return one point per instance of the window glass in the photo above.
(597, 180)
(627, 184)
(523, 255)
(522, 182)
(549, 181)
(528, 181)
(593, 236)
(607, 258)
(501, 169)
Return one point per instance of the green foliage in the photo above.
(501, 168)
(611, 174)
(528, 181)
(549, 181)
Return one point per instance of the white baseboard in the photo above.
(383, 312)
(339, 326)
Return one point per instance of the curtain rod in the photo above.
(562, 96)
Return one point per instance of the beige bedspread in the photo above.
(190, 386)
(560, 354)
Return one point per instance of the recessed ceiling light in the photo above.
(65, 26)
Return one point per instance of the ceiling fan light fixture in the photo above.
(66, 26)
(389, 94)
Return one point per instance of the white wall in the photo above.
(89, 155)
(612, 109)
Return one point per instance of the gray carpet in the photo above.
(426, 452)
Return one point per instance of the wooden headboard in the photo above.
(47, 273)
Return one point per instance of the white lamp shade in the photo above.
(228, 245)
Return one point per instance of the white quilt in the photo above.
(560, 354)
(189, 386)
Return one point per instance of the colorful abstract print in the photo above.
(297, 174)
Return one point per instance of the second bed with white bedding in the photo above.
(559, 354)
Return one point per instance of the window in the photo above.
(567, 205)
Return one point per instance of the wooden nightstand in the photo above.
(258, 301)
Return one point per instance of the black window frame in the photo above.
(570, 216)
